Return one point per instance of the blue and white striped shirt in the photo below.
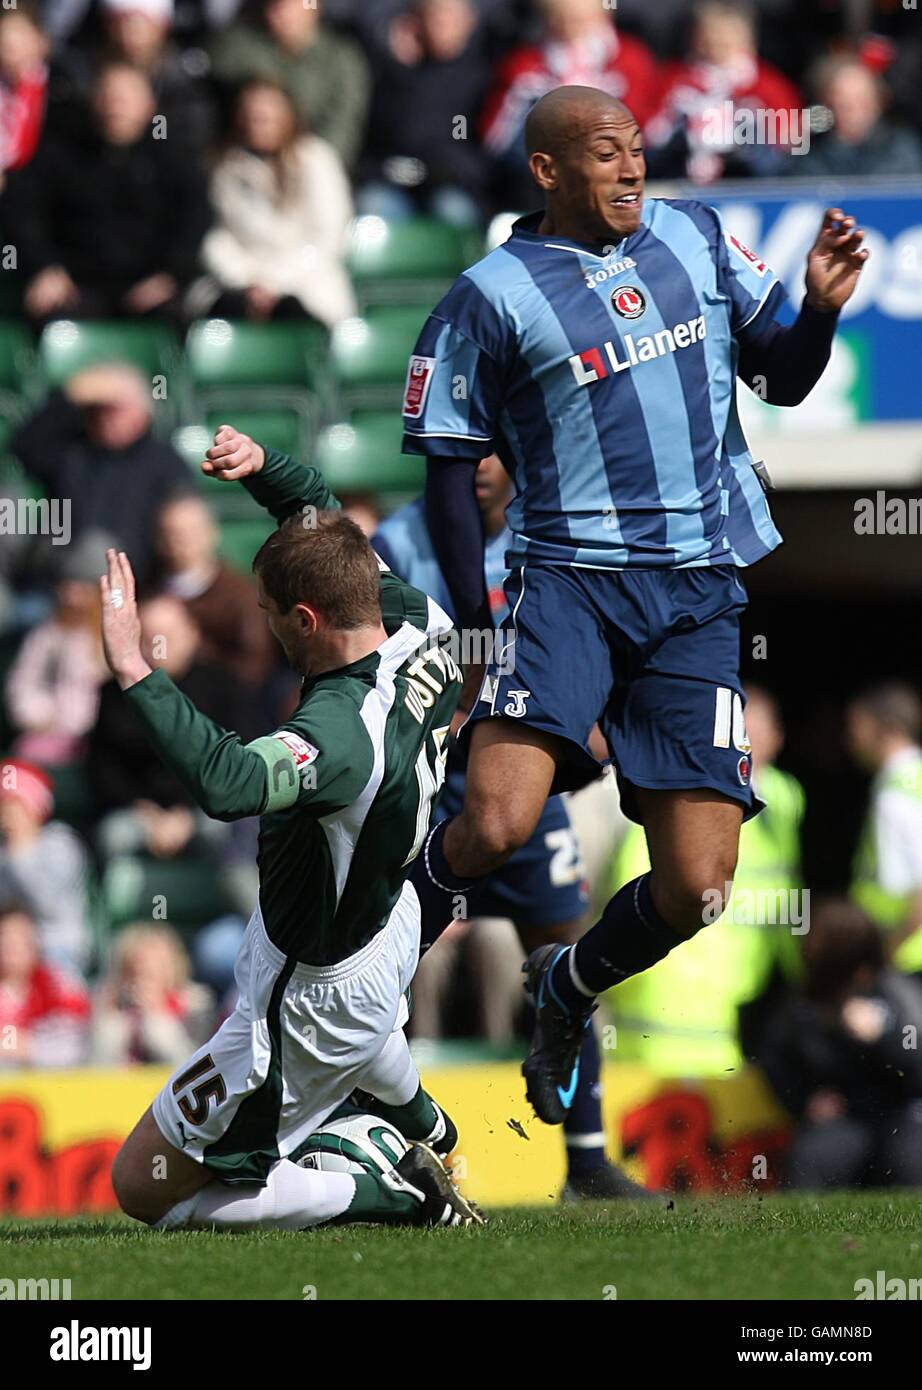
(607, 385)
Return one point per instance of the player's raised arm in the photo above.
(784, 364)
(226, 778)
(279, 483)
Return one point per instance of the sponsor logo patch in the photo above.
(743, 770)
(754, 262)
(629, 302)
(419, 379)
(597, 363)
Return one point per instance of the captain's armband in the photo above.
(289, 762)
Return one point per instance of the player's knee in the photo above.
(495, 833)
(697, 895)
(131, 1191)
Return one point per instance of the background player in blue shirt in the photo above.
(541, 887)
(597, 352)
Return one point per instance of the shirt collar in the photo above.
(526, 229)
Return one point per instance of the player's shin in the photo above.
(296, 1198)
(291, 1199)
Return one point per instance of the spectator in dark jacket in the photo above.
(139, 32)
(433, 62)
(861, 140)
(108, 222)
(843, 1057)
(92, 445)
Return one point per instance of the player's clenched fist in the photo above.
(233, 455)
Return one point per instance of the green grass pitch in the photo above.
(750, 1248)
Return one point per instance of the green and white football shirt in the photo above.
(345, 788)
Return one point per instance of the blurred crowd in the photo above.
(174, 158)
(203, 157)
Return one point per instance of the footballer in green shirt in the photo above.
(344, 790)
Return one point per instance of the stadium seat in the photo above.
(370, 357)
(230, 501)
(277, 428)
(241, 538)
(407, 262)
(277, 367)
(363, 455)
(222, 353)
(18, 370)
(66, 347)
(130, 883)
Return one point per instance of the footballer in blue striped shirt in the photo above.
(597, 352)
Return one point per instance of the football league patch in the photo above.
(419, 378)
(754, 262)
(304, 753)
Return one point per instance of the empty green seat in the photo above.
(370, 356)
(407, 262)
(363, 455)
(67, 346)
(242, 537)
(223, 353)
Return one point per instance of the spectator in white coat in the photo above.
(282, 204)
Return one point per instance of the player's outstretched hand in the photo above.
(233, 456)
(121, 626)
(835, 261)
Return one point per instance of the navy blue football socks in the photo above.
(441, 893)
(629, 937)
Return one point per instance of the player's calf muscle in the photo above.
(149, 1175)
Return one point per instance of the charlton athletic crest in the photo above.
(629, 302)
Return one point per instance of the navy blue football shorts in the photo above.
(543, 884)
(652, 656)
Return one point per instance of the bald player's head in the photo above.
(560, 117)
(585, 153)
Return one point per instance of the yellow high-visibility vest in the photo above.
(680, 1017)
